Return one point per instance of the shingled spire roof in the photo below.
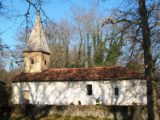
(37, 40)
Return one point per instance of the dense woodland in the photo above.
(127, 37)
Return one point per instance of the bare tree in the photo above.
(140, 27)
(59, 35)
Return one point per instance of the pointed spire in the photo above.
(37, 40)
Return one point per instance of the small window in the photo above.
(45, 62)
(116, 91)
(89, 89)
(32, 61)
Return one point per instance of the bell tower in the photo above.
(37, 52)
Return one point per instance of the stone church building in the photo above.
(39, 84)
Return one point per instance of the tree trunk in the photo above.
(67, 55)
(147, 56)
(155, 97)
(80, 49)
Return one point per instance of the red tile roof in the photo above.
(91, 73)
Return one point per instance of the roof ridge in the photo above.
(94, 67)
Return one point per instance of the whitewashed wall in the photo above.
(65, 93)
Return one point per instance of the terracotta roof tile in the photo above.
(91, 73)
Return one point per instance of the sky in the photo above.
(13, 20)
